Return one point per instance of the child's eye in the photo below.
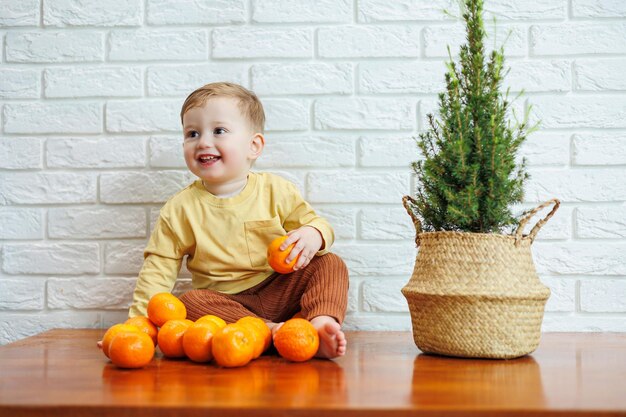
(192, 134)
(218, 129)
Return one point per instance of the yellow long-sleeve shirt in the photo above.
(225, 239)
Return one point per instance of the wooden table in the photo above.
(63, 373)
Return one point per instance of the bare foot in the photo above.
(332, 340)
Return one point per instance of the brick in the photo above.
(166, 152)
(437, 39)
(45, 117)
(357, 187)
(196, 12)
(389, 223)
(143, 116)
(140, 186)
(383, 295)
(608, 111)
(579, 258)
(96, 223)
(90, 293)
(93, 82)
(286, 114)
(414, 77)
(364, 113)
(599, 149)
(601, 222)
(548, 75)
(123, 258)
(578, 38)
(381, 151)
(372, 11)
(599, 74)
(375, 260)
(19, 13)
(19, 83)
(545, 149)
(54, 46)
(251, 42)
(20, 153)
(368, 41)
(181, 80)
(21, 223)
(109, 152)
(302, 11)
(51, 258)
(308, 151)
(562, 294)
(578, 323)
(603, 295)
(506, 10)
(16, 326)
(21, 294)
(343, 220)
(47, 188)
(598, 8)
(65, 13)
(382, 322)
(309, 78)
(576, 185)
(146, 44)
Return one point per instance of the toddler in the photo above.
(225, 220)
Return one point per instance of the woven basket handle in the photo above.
(416, 221)
(529, 214)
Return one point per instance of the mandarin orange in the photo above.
(198, 341)
(214, 319)
(297, 340)
(165, 306)
(277, 258)
(233, 346)
(145, 325)
(133, 349)
(261, 328)
(170, 337)
(112, 332)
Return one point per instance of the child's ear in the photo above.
(256, 146)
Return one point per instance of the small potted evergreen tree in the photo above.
(474, 291)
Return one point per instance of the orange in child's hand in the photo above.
(165, 306)
(233, 346)
(144, 324)
(276, 258)
(133, 349)
(112, 332)
(213, 319)
(297, 340)
(171, 337)
(263, 331)
(198, 341)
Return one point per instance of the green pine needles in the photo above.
(469, 175)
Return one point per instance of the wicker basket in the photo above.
(476, 295)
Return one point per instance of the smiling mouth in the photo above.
(208, 160)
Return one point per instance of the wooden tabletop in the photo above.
(63, 373)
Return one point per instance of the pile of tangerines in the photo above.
(132, 344)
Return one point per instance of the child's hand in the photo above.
(308, 242)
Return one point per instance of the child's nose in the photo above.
(205, 141)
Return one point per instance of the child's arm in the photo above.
(312, 233)
(162, 261)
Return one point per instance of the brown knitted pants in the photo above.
(319, 289)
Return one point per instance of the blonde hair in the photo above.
(249, 104)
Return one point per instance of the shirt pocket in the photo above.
(259, 234)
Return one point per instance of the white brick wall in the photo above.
(90, 96)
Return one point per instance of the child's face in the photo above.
(219, 144)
